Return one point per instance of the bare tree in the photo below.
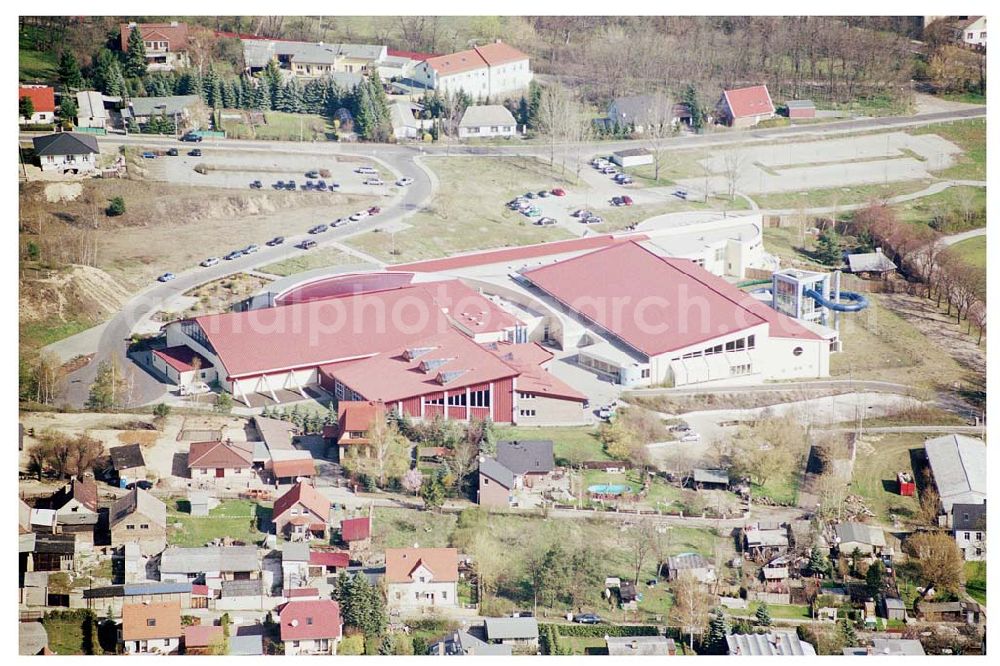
(555, 116)
(692, 603)
(733, 161)
(658, 127)
(641, 538)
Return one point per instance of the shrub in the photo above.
(601, 630)
(353, 644)
(116, 207)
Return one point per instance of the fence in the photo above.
(782, 598)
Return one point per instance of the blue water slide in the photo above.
(858, 301)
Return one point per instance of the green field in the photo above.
(975, 581)
(464, 217)
(281, 126)
(972, 251)
(952, 204)
(880, 458)
(970, 136)
(307, 261)
(35, 66)
(69, 635)
(237, 519)
(574, 444)
(40, 334)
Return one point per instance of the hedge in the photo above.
(602, 630)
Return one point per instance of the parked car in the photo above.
(312, 174)
(544, 194)
(211, 261)
(404, 181)
(621, 201)
(166, 277)
(592, 219)
(374, 210)
(280, 185)
(608, 170)
(374, 181)
(360, 215)
(256, 185)
(530, 195)
(367, 170)
(277, 240)
(192, 137)
(142, 484)
(583, 213)
(290, 186)
(334, 186)
(250, 249)
(627, 180)
(587, 618)
(173, 152)
(321, 185)
(545, 221)
(680, 427)
(681, 193)
(559, 192)
(340, 221)
(148, 155)
(690, 436)
(318, 229)
(235, 254)
(308, 185)
(534, 211)
(195, 152)
(307, 244)
(194, 388)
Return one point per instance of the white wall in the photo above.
(311, 647)
(486, 131)
(83, 163)
(415, 595)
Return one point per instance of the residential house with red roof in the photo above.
(151, 628)
(418, 578)
(166, 44)
(310, 627)
(203, 639)
(492, 71)
(745, 107)
(302, 513)
(43, 101)
(228, 463)
(76, 509)
(355, 419)
(357, 534)
(657, 320)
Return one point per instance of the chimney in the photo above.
(878, 250)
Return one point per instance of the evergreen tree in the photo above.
(847, 630)
(818, 564)
(875, 578)
(69, 71)
(209, 87)
(698, 115)
(314, 96)
(272, 74)
(67, 108)
(763, 615)
(432, 493)
(108, 390)
(523, 114)
(101, 74)
(829, 248)
(25, 107)
(534, 103)
(135, 55)
(364, 120)
(115, 84)
(227, 98)
(262, 95)
(718, 627)
(362, 606)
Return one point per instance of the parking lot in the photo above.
(237, 169)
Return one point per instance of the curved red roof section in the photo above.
(343, 285)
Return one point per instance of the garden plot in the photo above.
(800, 166)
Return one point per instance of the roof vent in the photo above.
(449, 376)
(416, 352)
(433, 363)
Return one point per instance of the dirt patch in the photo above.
(942, 330)
(215, 297)
(144, 438)
(76, 293)
(56, 192)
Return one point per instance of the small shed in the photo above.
(893, 608)
(711, 478)
(198, 502)
(690, 564)
(800, 108)
(632, 157)
(871, 264)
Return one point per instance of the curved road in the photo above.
(402, 160)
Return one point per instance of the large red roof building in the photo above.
(490, 71)
(745, 107)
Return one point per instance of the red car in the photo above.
(374, 210)
(559, 192)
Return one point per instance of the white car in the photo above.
(250, 249)
(211, 261)
(360, 215)
(403, 182)
(374, 181)
(341, 221)
(194, 388)
(690, 436)
(367, 170)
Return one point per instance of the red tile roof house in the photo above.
(490, 71)
(166, 43)
(302, 513)
(43, 99)
(419, 578)
(76, 509)
(290, 466)
(745, 107)
(151, 628)
(325, 562)
(203, 639)
(355, 419)
(310, 627)
(182, 365)
(669, 321)
(221, 463)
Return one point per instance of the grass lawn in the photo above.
(35, 66)
(954, 200)
(580, 645)
(778, 611)
(975, 581)
(784, 490)
(237, 519)
(281, 126)
(619, 217)
(838, 196)
(574, 444)
(401, 528)
(879, 344)
(466, 215)
(307, 261)
(46, 332)
(970, 136)
(791, 244)
(66, 636)
(880, 457)
(972, 251)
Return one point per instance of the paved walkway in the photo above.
(965, 235)
(934, 188)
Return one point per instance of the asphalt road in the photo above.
(402, 160)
